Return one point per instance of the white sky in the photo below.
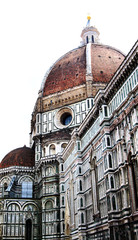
(33, 35)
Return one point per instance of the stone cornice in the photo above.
(16, 169)
(47, 159)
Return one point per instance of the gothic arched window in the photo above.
(108, 203)
(80, 185)
(87, 39)
(62, 167)
(5, 186)
(82, 217)
(62, 200)
(92, 39)
(114, 203)
(112, 182)
(108, 141)
(62, 188)
(79, 169)
(110, 160)
(81, 202)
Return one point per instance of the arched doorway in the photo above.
(28, 229)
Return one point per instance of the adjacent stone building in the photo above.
(79, 178)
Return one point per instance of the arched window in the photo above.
(62, 168)
(81, 202)
(105, 111)
(5, 186)
(63, 214)
(110, 160)
(87, 39)
(63, 227)
(37, 128)
(37, 118)
(57, 202)
(44, 152)
(63, 146)
(79, 169)
(30, 207)
(62, 201)
(114, 203)
(52, 149)
(108, 141)
(49, 205)
(107, 183)
(108, 203)
(92, 39)
(112, 182)
(82, 218)
(49, 171)
(13, 214)
(80, 185)
(13, 207)
(62, 188)
(79, 146)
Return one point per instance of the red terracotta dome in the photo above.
(105, 62)
(19, 157)
(70, 70)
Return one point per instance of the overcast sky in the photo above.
(33, 35)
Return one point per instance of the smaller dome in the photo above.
(23, 157)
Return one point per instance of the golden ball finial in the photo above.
(89, 17)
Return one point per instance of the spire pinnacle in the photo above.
(89, 34)
(88, 22)
(88, 17)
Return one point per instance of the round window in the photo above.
(64, 117)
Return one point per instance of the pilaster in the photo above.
(89, 77)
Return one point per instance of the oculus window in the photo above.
(64, 117)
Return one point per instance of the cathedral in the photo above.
(78, 180)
